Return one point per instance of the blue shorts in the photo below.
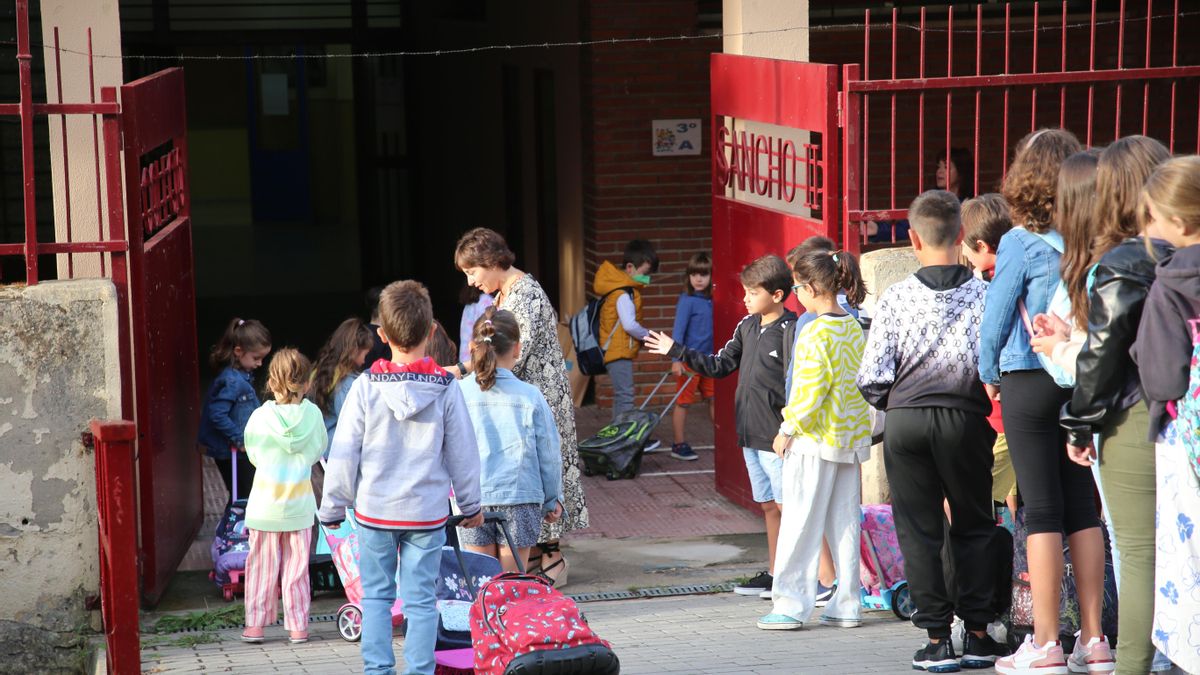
(766, 475)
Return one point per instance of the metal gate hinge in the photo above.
(841, 121)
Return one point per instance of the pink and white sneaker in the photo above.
(1031, 659)
(1094, 657)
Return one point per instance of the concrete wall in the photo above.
(881, 269)
(73, 18)
(58, 370)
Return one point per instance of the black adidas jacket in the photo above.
(762, 354)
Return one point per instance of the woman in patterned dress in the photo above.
(485, 258)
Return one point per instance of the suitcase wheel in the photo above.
(902, 603)
(349, 623)
(612, 475)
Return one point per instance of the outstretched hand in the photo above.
(659, 343)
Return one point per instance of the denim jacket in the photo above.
(340, 391)
(1026, 269)
(519, 452)
(231, 400)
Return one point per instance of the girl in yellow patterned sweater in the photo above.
(825, 435)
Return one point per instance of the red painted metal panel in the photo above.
(162, 296)
(116, 491)
(799, 96)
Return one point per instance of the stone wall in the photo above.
(881, 269)
(58, 370)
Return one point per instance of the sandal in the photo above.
(560, 579)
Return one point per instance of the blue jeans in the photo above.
(420, 560)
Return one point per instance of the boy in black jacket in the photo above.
(759, 348)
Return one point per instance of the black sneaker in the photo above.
(761, 582)
(981, 652)
(684, 451)
(936, 658)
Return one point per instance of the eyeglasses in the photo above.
(796, 288)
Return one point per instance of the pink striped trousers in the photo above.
(277, 557)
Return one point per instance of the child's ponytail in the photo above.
(245, 333)
(830, 271)
(496, 334)
(288, 375)
(849, 277)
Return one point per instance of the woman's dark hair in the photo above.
(337, 359)
(484, 248)
(699, 263)
(1074, 220)
(830, 272)
(496, 333)
(245, 333)
(965, 166)
(441, 348)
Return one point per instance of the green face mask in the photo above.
(643, 279)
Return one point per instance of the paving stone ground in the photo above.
(699, 634)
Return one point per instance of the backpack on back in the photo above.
(1187, 414)
(585, 333)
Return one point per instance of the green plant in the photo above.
(225, 617)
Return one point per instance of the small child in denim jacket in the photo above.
(520, 460)
(231, 399)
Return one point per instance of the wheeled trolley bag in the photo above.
(616, 450)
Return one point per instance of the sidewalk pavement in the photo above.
(698, 634)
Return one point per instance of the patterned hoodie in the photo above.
(403, 439)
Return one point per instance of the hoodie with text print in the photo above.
(403, 440)
(283, 442)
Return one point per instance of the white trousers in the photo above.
(820, 499)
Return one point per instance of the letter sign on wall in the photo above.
(675, 137)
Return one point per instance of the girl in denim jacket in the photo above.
(231, 399)
(1058, 493)
(521, 464)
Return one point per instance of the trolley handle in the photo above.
(488, 517)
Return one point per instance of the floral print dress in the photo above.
(542, 365)
(1177, 554)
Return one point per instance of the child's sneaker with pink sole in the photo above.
(1031, 659)
(1094, 657)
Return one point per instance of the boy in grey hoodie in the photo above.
(403, 439)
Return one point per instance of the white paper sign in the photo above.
(675, 137)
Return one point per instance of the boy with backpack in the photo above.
(403, 439)
(621, 331)
(921, 365)
(759, 348)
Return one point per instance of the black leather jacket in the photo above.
(1106, 378)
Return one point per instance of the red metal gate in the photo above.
(790, 168)
(982, 82)
(163, 298)
(1045, 69)
(145, 153)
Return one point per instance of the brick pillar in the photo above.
(628, 193)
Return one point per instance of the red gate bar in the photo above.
(858, 88)
(117, 520)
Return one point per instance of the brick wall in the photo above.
(628, 193)
(847, 47)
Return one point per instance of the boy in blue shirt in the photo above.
(693, 328)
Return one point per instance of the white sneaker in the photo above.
(1031, 659)
(1094, 657)
(652, 445)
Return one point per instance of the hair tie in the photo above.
(241, 322)
(487, 339)
(487, 322)
(834, 255)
